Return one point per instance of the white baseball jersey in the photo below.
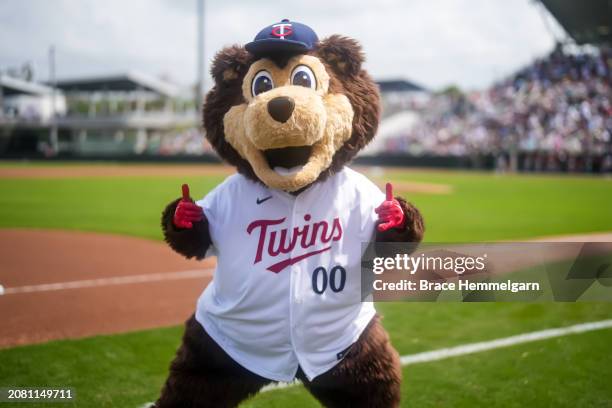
(287, 287)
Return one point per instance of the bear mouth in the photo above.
(288, 157)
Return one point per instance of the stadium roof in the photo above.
(399, 85)
(14, 86)
(131, 81)
(588, 22)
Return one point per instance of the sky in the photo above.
(436, 43)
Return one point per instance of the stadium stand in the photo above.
(554, 114)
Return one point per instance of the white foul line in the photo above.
(503, 342)
(118, 280)
(470, 348)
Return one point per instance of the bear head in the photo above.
(288, 119)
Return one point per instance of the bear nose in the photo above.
(281, 108)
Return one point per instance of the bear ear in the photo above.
(230, 64)
(343, 54)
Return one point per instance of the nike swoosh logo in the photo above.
(277, 267)
(263, 200)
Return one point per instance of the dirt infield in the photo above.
(35, 257)
(593, 237)
(417, 187)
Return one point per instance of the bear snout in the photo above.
(281, 108)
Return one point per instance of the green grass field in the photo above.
(127, 370)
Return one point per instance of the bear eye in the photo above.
(303, 76)
(262, 82)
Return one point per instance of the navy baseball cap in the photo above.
(286, 36)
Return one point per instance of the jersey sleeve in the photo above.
(370, 197)
(210, 205)
(217, 205)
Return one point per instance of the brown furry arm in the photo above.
(191, 243)
(413, 227)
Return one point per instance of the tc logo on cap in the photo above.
(284, 36)
(281, 30)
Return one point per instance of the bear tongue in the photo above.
(287, 172)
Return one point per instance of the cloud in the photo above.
(434, 42)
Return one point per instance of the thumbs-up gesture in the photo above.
(187, 212)
(390, 213)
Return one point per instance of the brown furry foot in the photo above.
(203, 375)
(369, 376)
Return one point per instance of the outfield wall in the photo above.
(525, 162)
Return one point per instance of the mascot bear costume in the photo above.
(289, 112)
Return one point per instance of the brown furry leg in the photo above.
(203, 375)
(370, 374)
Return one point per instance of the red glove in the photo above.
(187, 212)
(390, 213)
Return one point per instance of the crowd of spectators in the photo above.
(555, 112)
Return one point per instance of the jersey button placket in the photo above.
(295, 269)
(296, 298)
